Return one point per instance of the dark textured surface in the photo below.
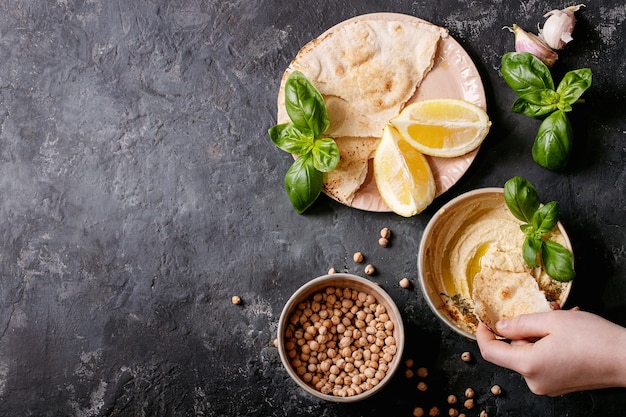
(140, 191)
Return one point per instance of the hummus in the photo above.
(479, 233)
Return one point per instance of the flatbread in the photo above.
(343, 182)
(366, 70)
(500, 295)
(369, 69)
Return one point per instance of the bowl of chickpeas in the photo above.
(341, 337)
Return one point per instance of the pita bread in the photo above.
(366, 70)
(502, 295)
(343, 182)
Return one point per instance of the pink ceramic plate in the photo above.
(453, 75)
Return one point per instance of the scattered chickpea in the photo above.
(358, 257)
(369, 269)
(275, 343)
(469, 393)
(385, 233)
(404, 283)
(409, 363)
(332, 271)
(483, 413)
(469, 403)
(418, 412)
(236, 299)
(496, 390)
(422, 372)
(408, 373)
(453, 412)
(466, 357)
(383, 242)
(451, 399)
(422, 386)
(462, 415)
(433, 412)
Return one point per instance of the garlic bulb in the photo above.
(529, 42)
(558, 28)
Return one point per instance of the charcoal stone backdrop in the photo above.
(139, 191)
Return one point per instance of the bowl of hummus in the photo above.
(472, 232)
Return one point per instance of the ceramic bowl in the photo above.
(288, 324)
(443, 240)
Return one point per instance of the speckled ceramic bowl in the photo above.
(440, 243)
(358, 285)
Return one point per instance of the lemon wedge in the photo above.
(443, 127)
(402, 174)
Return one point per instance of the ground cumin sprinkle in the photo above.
(340, 341)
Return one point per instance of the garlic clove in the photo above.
(557, 29)
(529, 42)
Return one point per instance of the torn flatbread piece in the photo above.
(354, 153)
(500, 295)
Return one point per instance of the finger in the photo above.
(497, 351)
(526, 326)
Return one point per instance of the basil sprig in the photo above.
(523, 201)
(303, 137)
(532, 82)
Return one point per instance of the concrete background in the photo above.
(139, 191)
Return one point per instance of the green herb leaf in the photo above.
(288, 138)
(305, 105)
(530, 250)
(325, 154)
(532, 110)
(558, 261)
(521, 198)
(541, 97)
(525, 73)
(572, 86)
(303, 183)
(553, 143)
(546, 217)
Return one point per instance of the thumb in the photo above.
(526, 326)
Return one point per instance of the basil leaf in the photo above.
(530, 249)
(325, 154)
(553, 142)
(572, 86)
(527, 229)
(546, 217)
(541, 97)
(524, 72)
(288, 138)
(558, 261)
(303, 183)
(521, 198)
(305, 105)
(532, 110)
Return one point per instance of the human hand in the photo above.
(559, 351)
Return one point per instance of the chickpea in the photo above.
(385, 232)
(434, 411)
(422, 372)
(469, 403)
(483, 413)
(496, 390)
(466, 356)
(469, 393)
(422, 386)
(383, 242)
(369, 269)
(453, 412)
(332, 271)
(452, 399)
(408, 373)
(408, 362)
(418, 412)
(358, 257)
(405, 283)
(235, 299)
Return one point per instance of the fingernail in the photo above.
(502, 324)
